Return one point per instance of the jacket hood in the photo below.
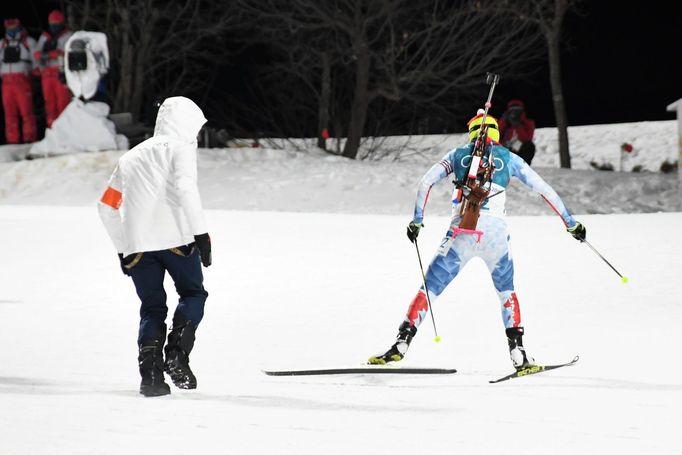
(179, 118)
(517, 103)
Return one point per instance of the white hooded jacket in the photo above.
(152, 202)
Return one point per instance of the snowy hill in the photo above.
(310, 180)
(311, 269)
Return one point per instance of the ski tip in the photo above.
(533, 370)
(274, 373)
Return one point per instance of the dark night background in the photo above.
(621, 62)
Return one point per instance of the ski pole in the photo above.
(623, 279)
(492, 79)
(426, 290)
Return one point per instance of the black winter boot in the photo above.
(406, 333)
(180, 344)
(517, 352)
(150, 361)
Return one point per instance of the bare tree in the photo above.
(548, 16)
(297, 79)
(157, 48)
(426, 54)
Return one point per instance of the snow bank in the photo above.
(299, 177)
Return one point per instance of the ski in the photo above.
(361, 370)
(535, 369)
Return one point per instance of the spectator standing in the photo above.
(152, 211)
(16, 65)
(50, 53)
(517, 130)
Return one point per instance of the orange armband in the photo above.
(112, 197)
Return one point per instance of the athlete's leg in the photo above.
(443, 269)
(501, 266)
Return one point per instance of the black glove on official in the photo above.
(578, 232)
(123, 269)
(203, 242)
(413, 230)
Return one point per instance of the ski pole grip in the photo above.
(492, 78)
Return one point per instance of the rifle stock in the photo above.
(471, 207)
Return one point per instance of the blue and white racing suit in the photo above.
(457, 249)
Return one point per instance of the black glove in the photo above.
(123, 269)
(203, 242)
(578, 231)
(413, 230)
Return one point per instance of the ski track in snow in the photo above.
(292, 290)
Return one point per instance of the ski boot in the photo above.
(406, 333)
(518, 354)
(180, 344)
(150, 361)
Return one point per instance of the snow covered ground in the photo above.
(312, 269)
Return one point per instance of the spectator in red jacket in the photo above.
(16, 67)
(516, 131)
(50, 53)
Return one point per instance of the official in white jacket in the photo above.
(152, 212)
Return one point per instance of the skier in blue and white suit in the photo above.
(490, 240)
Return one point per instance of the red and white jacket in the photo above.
(152, 202)
(53, 60)
(25, 65)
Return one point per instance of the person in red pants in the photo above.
(50, 53)
(16, 65)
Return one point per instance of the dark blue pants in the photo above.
(148, 275)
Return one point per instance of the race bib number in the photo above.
(445, 246)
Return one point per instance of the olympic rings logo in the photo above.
(498, 163)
